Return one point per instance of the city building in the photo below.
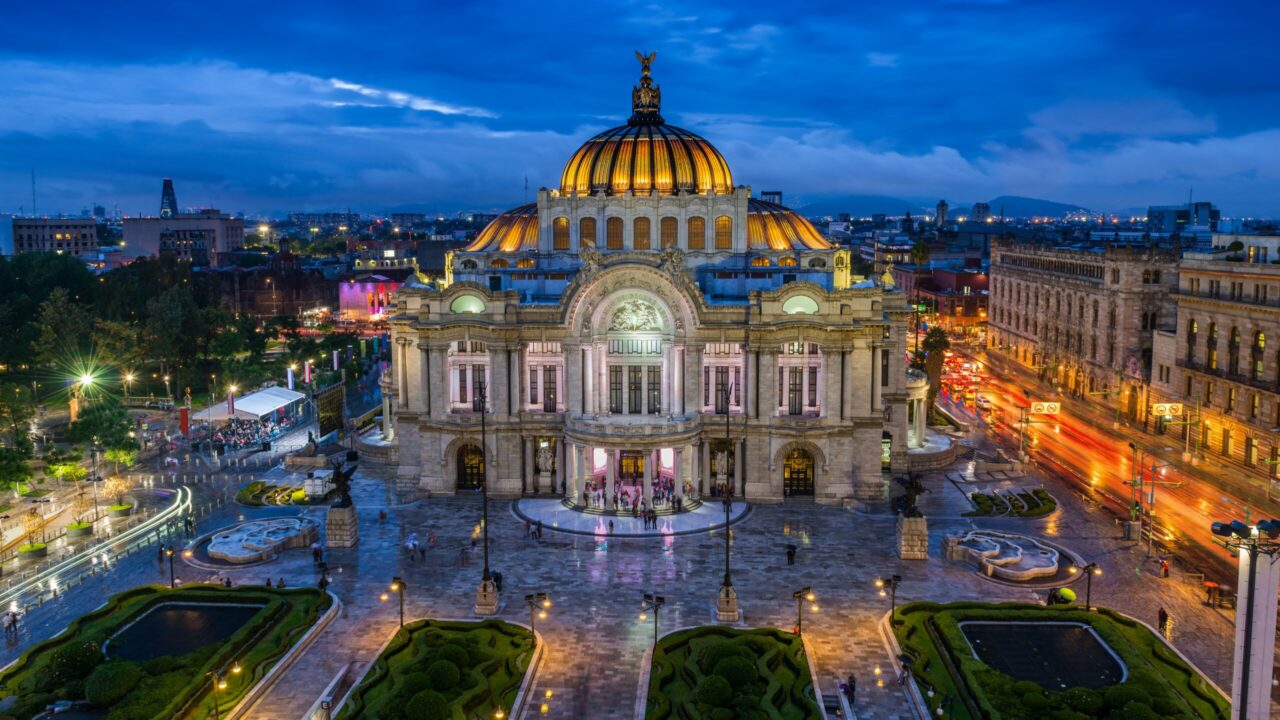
(1178, 218)
(940, 215)
(771, 196)
(1082, 315)
(648, 329)
(408, 220)
(325, 219)
(981, 213)
(65, 236)
(6, 234)
(168, 199)
(1218, 358)
(953, 298)
(200, 237)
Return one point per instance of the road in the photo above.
(1081, 445)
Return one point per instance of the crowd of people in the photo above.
(240, 433)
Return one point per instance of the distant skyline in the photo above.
(289, 106)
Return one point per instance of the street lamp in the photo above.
(889, 586)
(128, 381)
(802, 596)
(652, 602)
(486, 598)
(538, 603)
(173, 583)
(397, 586)
(1260, 539)
(167, 392)
(1089, 571)
(219, 680)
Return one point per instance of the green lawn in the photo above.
(718, 673)
(442, 670)
(1036, 503)
(72, 666)
(1160, 684)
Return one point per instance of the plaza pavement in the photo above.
(595, 641)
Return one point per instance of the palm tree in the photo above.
(920, 252)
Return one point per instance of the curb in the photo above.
(918, 706)
(273, 675)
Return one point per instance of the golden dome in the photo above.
(771, 226)
(646, 154)
(515, 230)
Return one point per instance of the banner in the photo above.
(231, 403)
(306, 371)
(290, 376)
(184, 420)
(335, 361)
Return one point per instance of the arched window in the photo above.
(1259, 345)
(819, 263)
(669, 229)
(697, 233)
(640, 234)
(498, 263)
(787, 262)
(560, 233)
(525, 264)
(613, 233)
(724, 233)
(587, 232)
(760, 262)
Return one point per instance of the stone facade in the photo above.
(1221, 363)
(1082, 316)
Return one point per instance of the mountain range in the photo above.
(865, 205)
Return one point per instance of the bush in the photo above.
(715, 691)
(1135, 711)
(1119, 696)
(1036, 702)
(159, 665)
(444, 675)
(1082, 699)
(715, 651)
(109, 683)
(413, 683)
(75, 661)
(479, 656)
(455, 654)
(739, 671)
(1025, 687)
(428, 705)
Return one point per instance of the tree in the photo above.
(920, 252)
(14, 469)
(32, 523)
(934, 345)
(17, 408)
(105, 421)
(116, 487)
(119, 342)
(64, 465)
(63, 327)
(121, 456)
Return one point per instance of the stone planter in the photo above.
(33, 553)
(80, 532)
(120, 512)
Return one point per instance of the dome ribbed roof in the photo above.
(644, 157)
(515, 230)
(771, 226)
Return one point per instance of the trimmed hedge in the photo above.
(718, 672)
(1160, 684)
(474, 667)
(63, 667)
(1036, 503)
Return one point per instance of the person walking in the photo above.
(791, 554)
(13, 625)
(8, 624)
(539, 530)
(1164, 568)
(1162, 619)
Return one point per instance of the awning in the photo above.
(253, 406)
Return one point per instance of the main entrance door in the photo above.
(797, 473)
(470, 467)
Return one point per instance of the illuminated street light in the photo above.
(802, 596)
(652, 602)
(1089, 570)
(397, 586)
(889, 586)
(538, 603)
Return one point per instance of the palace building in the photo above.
(647, 329)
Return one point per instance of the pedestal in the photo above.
(487, 598)
(727, 609)
(341, 527)
(544, 483)
(913, 538)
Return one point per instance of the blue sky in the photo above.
(276, 106)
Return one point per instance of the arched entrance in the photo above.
(470, 467)
(797, 473)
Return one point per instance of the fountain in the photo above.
(261, 540)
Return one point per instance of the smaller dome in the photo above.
(771, 226)
(515, 230)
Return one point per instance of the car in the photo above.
(984, 402)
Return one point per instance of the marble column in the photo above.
(401, 367)
(500, 381)
(739, 460)
(530, 482)
(769, 383)
(704, 472)
(562, 465)
(692, 378)
(920, 422)
(666, 377)
(572, 392)
(610, 478)
(650, 472)
(749, 371)
(846, 387)
(419, 401)
(388, 426)
(678, 473)
(439, 383)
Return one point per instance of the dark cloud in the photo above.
(273, 106)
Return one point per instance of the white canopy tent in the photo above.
(255, 406)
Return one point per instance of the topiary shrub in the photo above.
(1025, 687)
(413, 683)
(715, 651)
(479, 656)
(1082, 699)
(715, 691)
(444, 675)
(739, 671)
(1036, 702)
(455, 654)
(1118, 696)
(159, 665)
(427, 705)
(75, 661)
(109, 683)
(1135, 711)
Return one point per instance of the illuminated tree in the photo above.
(32, 523)
(121, 456)
(116, 487)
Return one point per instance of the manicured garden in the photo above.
(443, 670)
(1159, 683)
(73, 666)
(720, 673)
(1020, 503)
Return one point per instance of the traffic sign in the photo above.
(1167, 409)
(1045, 408)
